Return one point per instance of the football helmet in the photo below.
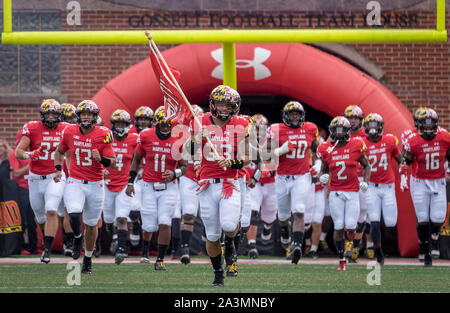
(428, 124)
(68, 113)
(420, 113)
(223, 94)
(144, 113)
(120, 116)
(289, 107)
(50, 106)
(87, 106)
(161, 120)
(354, 111)
(373, 124)
(339, 129)
(261, 123)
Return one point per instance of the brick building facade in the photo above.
(418, 74)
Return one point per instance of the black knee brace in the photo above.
(254, 218)
(75, 222)
(375, 232)
(360, 227)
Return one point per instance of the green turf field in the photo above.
(197, 278)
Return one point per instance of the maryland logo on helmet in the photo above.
(120, 115)
(87, 106)
(224, 93)
(373, 124)
(293, 105)
(143, 111)
(160, 117)
(260, 120)
(353, 111)
(68, 110)
(50, 105)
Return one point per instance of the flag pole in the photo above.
(155, 47)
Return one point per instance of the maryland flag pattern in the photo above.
(108, 138)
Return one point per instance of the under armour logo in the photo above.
(260, 56)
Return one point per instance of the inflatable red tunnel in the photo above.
(292, 70)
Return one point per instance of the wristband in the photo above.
(237, 164)
(257, 174)
(26, 156)
(105, 162)
(177, 173)
(58, 168)
(132, 177)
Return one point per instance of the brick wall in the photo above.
(418, 74)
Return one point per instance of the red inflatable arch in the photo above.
(293, 70)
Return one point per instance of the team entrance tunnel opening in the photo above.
(268, 76)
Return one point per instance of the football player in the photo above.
(163, 165)
(340, 159)
(262, 197)
(429, 148)
(117, 205)
(41, 138)
(355, 116)
(143, 119)
(220, 194)
(189, 202)
(90, 152)
(68, 113)
(381, 149)
(293, 138)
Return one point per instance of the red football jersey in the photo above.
(226, 140)
(190, 171)
(361, 133)
(49, 139)
(15, 164)
(297, 161)
(406, 135)
(342, 163)
(429, 155)
(82, 165)
(133, 130)
(124, 150)
(158, 155)
(380, 156)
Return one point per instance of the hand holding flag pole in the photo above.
(180, 91)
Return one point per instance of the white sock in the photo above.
(322, 236)
(369, 244)
(308, 242)
(251, 242)
(88, 253)
(313, 248)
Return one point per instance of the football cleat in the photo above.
(218, 278)
(342, 266)
(380, 259)
(144, 257)
(160, 266)
(253, 253)
(355, 255)
(114, 244)
(370, 253)
(296, 253)
(435, 254)
(121, 254)
(324, 246)
(68, 248)
(232, 270)
(45, 256)
(76, 248)
(87, 266)
(428, 261)
(313, 254)
(307, 249)
(348, 249)
(185, 257)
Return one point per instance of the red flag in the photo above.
(175, 108)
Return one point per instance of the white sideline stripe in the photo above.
(325, 261)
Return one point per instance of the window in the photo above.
(31, 69)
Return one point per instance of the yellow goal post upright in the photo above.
(228, 38)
